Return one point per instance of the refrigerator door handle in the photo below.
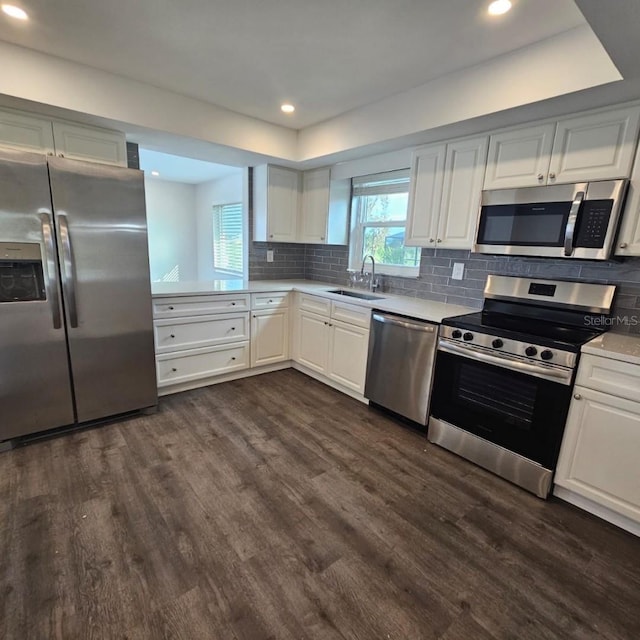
(68, 272)
(53, 291)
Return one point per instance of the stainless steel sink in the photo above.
(356, 294)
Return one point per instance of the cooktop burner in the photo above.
(548, 334)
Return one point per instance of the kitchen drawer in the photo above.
(609, 376)
(202, 331)
(270, 300)
(351, 313)
(185, 366)
(199, 305)
(315, 304)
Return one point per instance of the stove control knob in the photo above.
(456, 333)
(497, 343)
(531, 351)
(467, 336)
(546, 354)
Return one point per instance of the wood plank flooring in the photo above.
(276, 508)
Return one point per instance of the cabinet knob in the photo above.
(577, 396)
(540, 177)
(170, 308)
(322, 238)
(270, 301)
(552, 176)
(61, 155)
(623, 245)
(173, 369)
(233, 357)
(430, 239)
(233, 328)
(233, 304)
(439, 240)
(271, 235)
(172, 335)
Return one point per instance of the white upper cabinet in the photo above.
(425, 195)
(30, 132)
(88, 143)
(314, 212)
(597, 146)
(594, 146)
(463, 174)
(628, 243)
(519, 158)
(26, 132)
(276, 199)
(444, 197)
(294, 206)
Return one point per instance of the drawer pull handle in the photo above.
(173, 369)
(577, 396)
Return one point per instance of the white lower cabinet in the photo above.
(334, 342)
(269, 336)
(195, 364)
(348, 354)
(598, 467)
(313, 341)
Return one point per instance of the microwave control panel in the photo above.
(593, 223)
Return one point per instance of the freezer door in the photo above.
(35, 388)
(102, 242)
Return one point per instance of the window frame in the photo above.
(216, 211)
(398, 182)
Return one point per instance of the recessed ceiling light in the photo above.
(287, 108)
(498, 7)
(15, 12)
(155, 173)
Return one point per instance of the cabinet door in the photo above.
(25, 132)
(269, 336)
(348, 355)
(598, 146)
(463, 175)
(519, 158)
(599, 454)
(313, 341)
(315, 206)
(628, 242)
(425, 196)
(86, 143)
(282, 204)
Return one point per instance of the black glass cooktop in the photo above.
(541, 332)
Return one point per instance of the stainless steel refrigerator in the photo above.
(76, 339)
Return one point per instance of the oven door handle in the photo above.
(571, 223)
(560, 375)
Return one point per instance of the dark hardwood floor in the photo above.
(275, 507)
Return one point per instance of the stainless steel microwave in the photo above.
(559, 221)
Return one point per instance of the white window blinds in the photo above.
(227, 238)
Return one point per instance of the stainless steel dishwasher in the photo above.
(400, 364)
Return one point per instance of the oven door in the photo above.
(502, 401)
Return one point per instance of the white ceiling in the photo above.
(327, 56)
(180, 169)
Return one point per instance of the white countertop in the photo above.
(617, 346)
(413, 307)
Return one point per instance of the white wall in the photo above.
(172, 226)
(226, 190)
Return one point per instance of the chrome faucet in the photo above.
(373, 283)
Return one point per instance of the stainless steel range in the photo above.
(503, 376)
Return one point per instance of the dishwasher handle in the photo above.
(402, 322)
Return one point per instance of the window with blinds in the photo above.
(378, 219)
(227, 238)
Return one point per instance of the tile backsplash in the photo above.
(328, 263)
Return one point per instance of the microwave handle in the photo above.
(571, 223)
